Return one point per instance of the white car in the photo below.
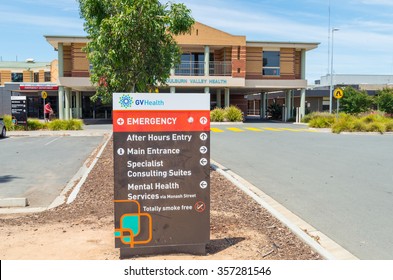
(3, 130)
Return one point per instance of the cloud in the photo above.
(64, 5)
(50, 22)
(388, 3)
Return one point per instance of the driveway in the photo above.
(38, 165)
(340, 184)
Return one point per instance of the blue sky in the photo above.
(363, 45)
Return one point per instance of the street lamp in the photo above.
(331, 74)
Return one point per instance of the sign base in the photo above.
(195, 249)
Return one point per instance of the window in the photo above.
(47, 77)
(271, 63)
(36, 77)
(17, 77)
(192, 64)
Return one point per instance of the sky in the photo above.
(362, 45)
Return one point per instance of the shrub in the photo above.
(275, 110)
(35, 124)
(385, 100)
(72, 124)
(389, 125)
(217, 115)
(233, 114)
(354, 101)
(322, 121)
(344, 122)
(307, 118)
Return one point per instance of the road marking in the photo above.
(254, 129)
(291, 129)
(262, 129)
(50, 142)
(271, 129)
(214, 129)
(235, 129)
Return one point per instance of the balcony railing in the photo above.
(216, 68)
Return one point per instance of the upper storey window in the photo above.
(271, 63)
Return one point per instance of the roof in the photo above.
(54, 40)
(283, 44)
(23, 65)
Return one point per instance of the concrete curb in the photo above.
(13, 202)
(77, 188)
(327, 248)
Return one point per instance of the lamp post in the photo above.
(331, 74)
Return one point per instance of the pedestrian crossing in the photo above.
(259, 129)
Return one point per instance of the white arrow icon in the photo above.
(120, 151)
(203, 161)
(203, 150)
(203, 185)
(203, 136)
(203, 120)
(120, 121)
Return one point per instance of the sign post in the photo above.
(44, 95)
(338, 94)
(161, 173)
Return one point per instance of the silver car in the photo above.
(3, 130)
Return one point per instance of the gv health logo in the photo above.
(126, 101)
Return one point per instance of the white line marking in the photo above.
(50, 142)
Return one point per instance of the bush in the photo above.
(345, 122)
(354, 101)
(35, 124)
(376, 127)
(385, 100)
(322, 120)
(217, 115)
(275, 111)
(307, 118)
(72, 124)
(367, 123)
(233, 114)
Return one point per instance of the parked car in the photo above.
(3, 130)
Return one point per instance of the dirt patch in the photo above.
(83, 230)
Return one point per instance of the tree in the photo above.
(354, 101)
(131, 46)
(385, 100)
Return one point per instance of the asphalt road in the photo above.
(340, 184)
(38, 168)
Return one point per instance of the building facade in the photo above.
(28, 78)
(228, 67)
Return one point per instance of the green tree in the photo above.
(354, 101)
(385, 100)
(132, 46)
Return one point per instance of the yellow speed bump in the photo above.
(214, 129)
(254, 129)
(235, 129)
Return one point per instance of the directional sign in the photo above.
(19, 109)
(161, 172)
(338, 93)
